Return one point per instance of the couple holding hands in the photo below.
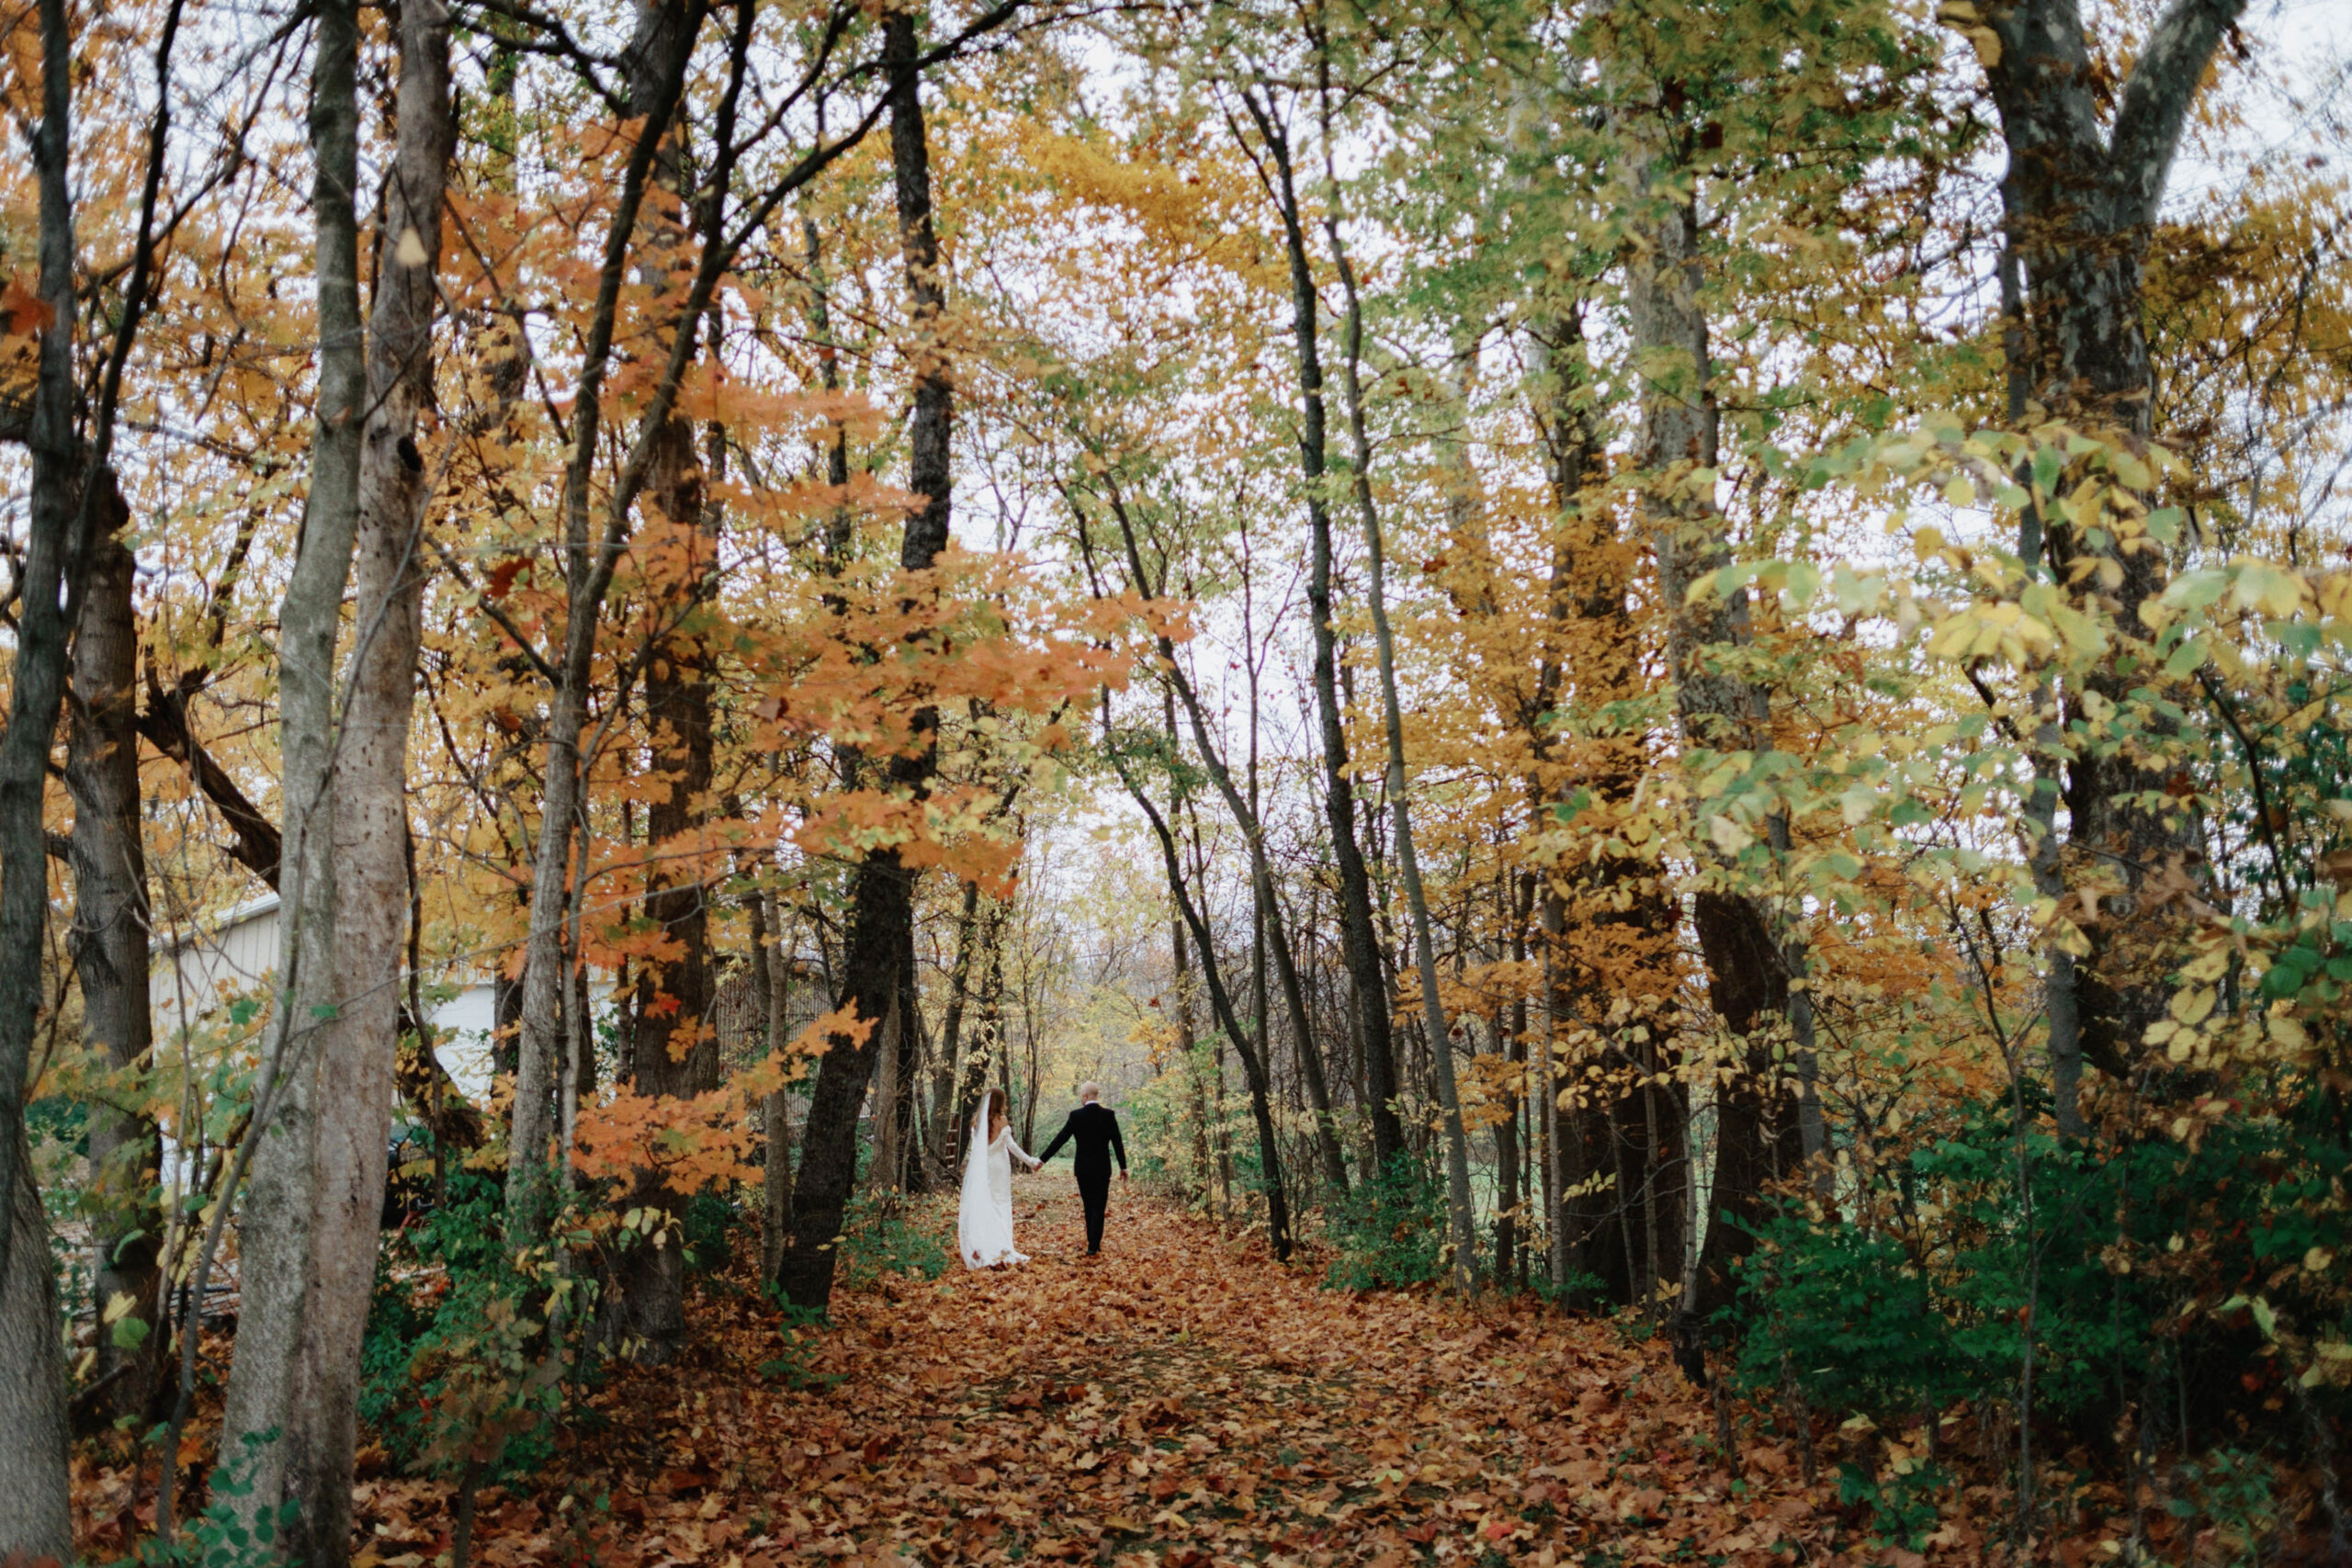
(984, 1220)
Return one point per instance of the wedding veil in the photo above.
(976, 1152)
(975, 1213)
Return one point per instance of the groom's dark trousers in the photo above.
(1093, 1131)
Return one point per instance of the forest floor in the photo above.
(1180, 1401)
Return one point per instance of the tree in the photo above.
(111, 920)
(73, 489)
(2079, 207)
(324, 1109)
(672, 1053)
(879, 960)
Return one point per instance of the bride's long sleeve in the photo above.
(1023, 1156)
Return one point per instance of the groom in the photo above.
(1096, 1133)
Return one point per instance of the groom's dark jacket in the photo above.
(1095, 1133)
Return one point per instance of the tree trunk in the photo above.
(672, 1054)
(2080, 208)
(913, 1061)
(110, 961)
(1507, 1194)
(1552, 1128)
(883, 1172)
(980, 1054)
(34, 1515)
(309, 1234)
(1187, 1039)
(1253, 1060)
(269, 1437)
(1271, 936)
(1360, 945)
(880, 947)
(1604, 923)
(771, 972)
(947, 1109)
(35, 1519)
(1718, 711)
(534, 1165)
(1461, 1214)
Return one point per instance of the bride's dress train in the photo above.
(984, 1221)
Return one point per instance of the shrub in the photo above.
(878, 1239)
(1902, 1505)
(2233, 1493)
(455, 1367)
(222, 1537)
(708, 1224)
(795, 1365)
(1389, 1232)
(1852, 1323)
(2118, 1255)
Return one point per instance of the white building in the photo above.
(198, 972)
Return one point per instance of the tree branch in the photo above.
(2155, 102)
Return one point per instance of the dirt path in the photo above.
(1181, 1400)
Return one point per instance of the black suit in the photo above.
(1094, 1130)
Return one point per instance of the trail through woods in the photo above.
(1181, 1400)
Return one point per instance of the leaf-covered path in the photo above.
(1179, 1400)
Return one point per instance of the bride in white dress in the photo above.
(984, 1222)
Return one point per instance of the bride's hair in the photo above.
(994, 1110)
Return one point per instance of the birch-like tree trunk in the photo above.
(309, 1237)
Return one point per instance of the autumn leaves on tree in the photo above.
(1683, 657)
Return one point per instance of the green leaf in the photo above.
(2197, 590)
(2048, 464)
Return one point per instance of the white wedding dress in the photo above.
(984, 1221)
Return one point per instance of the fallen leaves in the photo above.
(1179, 1400)
(1167, 1404)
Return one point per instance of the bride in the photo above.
(984, 1223)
